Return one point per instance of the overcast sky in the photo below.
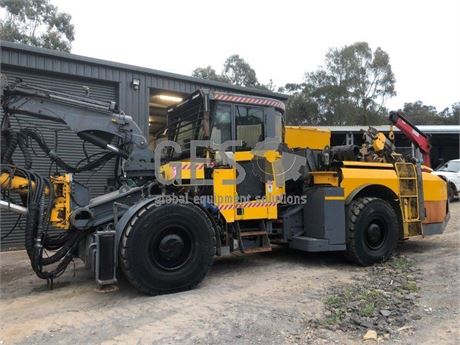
(280, 39)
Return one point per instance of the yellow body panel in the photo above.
(306, 137)
(241, 156)
(359, 175)
(174, 170)
(61, 211)
(325, 177)
(225, 194)
(435, 198)
(229, 202)
(367, 164)
(255, 210)
(434, 187)
(353, 179)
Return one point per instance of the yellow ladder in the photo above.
(409, 198)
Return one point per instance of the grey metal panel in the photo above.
(325, 218)
(435, 228)
(69, 145)
(98, 90)
(57, 55)
(324, 222)
(107, 80)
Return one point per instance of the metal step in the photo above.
(257, 242)
(312, 244)
(253, 233)
(257, 250)
(408, 192)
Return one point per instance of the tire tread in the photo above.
(127, 270)
(354, 213)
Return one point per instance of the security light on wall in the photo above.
(135, 83)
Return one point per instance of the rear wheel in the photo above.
(167, 248)
(372, 231)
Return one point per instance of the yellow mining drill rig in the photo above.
(231, 178)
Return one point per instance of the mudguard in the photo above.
(123, 221)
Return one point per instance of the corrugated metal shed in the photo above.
(444, 139)
(446, 129)
(133, 102)
(107, 81)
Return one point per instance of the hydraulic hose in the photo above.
(39, 206)
(27, 132)
(12, 142)
(25, 151)
(62, 251)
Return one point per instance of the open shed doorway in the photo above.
(159, 102)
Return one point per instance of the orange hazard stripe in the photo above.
(188, 166)
(249, 99)
(224, 207)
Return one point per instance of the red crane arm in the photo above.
(415, 135)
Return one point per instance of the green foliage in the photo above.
(37, 23)
(451, 116)
(399, 263)
(236, 71)
(302, 110)
(350, 89)
(368, 309)
(208, 73)
(421, 114)
(335, 301)
(239, 72)
(337, 307)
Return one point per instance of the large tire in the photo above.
(372, 231)
(167, 248)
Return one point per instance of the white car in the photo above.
(451, 171)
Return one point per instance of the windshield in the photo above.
(184, 125)
(451, 166)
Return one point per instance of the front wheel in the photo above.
(167, 248)
(372, 231)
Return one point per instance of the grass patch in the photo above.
(411, 286)
(358, 306)
(336, 306)
(399, 263)
(369, 309)
(331, 320)
(334, 301)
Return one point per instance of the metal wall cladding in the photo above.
(68, 145)
(107, 81)
(134, 102)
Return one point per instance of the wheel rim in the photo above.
(376, 234)
(171, 248)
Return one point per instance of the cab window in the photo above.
(278, 121)
(249, 126)
(222, 125)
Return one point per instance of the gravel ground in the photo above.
(269, 298)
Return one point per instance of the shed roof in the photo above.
(144, 70)
(432, 129)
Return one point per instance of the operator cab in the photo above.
(219, 117)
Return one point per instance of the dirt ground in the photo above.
(267, 298)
